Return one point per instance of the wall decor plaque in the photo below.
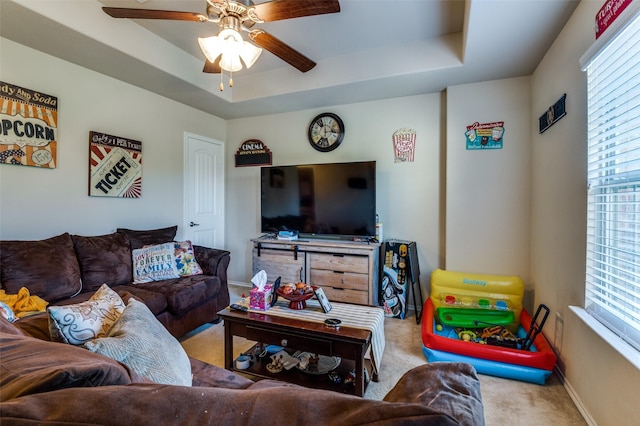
(485, 135)
(404, 145)
(28, 127)
(115, 166)
(554, 113)
(253, 152)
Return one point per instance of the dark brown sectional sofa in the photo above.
(68, 269)
(47, 382)
(44, 382)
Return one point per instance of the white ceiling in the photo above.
(371, 49)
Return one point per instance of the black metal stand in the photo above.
(414, 275)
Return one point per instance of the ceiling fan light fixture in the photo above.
(249, 54)
(230, 62)
(211, 47)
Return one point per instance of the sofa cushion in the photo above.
(138, 340)
(137, 239)
(208, 375)
(8, 327)
(186, 260)
(48, 268)
(78, 323)
(104, 259)
(185, 293)
(154, 263)
(31, 366)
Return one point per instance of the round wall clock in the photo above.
(326, 132)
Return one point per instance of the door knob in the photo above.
(191, 224)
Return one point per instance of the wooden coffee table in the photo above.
(348, 343)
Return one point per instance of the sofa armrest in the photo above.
(447, 387)
(213, 261)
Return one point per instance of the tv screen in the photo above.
(322, 200)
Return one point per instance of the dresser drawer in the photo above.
(324, 278)
(339, 262)
(307, 344)
(343, 295)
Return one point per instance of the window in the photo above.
(613, 171)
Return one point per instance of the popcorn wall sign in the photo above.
(485, 136)
(28, 127)
(404, 145)
(115, 166)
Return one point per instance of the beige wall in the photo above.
(487, 219)
(40, 203)
(603, 383)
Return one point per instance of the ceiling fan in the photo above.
(225, 50)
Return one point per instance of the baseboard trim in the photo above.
(575, 398)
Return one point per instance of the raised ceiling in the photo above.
(371, 49)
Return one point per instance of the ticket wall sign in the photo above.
(28, 127)
(485, 136)
(115, 166)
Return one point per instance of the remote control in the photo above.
(237, 307)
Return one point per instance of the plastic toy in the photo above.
(494, 299)
(534, 365)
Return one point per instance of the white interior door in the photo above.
(204, 191)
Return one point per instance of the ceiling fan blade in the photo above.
(123, 12)
(281, 50)
(212, 67)
(286, 9)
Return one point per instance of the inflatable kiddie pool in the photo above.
(442, 343)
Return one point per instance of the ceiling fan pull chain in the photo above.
(221, 85)
(230, 78)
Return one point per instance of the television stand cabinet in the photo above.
(347, 271)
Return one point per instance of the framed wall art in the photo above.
(29, 127)
(115, 166)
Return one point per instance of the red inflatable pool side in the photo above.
(544, 358)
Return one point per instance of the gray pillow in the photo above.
(141, 342)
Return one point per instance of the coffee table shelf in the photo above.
(258, 369)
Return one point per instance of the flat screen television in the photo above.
(335, 200)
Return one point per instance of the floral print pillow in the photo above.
(185, 259)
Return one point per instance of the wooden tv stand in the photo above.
(347, 271)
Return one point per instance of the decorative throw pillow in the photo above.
(186, 260)
(142, 343)
(7, 312)
(154, 263)
(78, 323)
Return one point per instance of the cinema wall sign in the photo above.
(28, 127)
(253, 152)
(115, 166)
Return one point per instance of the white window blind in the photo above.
(613, 217)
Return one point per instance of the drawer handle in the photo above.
(284, 342)
(338, 272)
(338, 288)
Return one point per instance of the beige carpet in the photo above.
(506, 402)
